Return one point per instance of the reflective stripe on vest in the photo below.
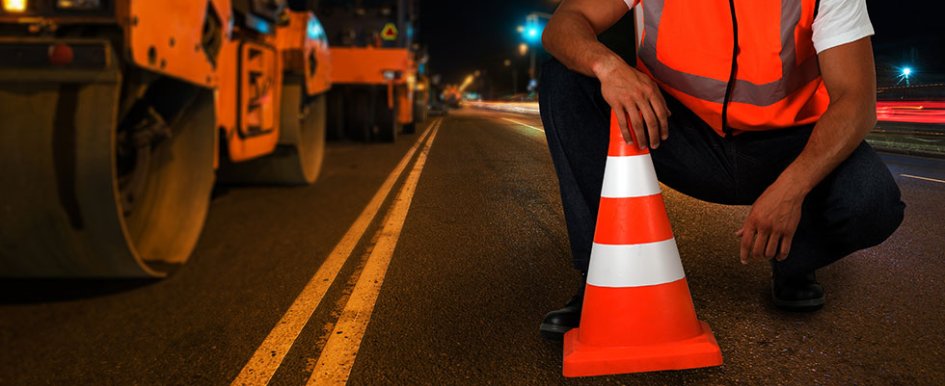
(792, 78)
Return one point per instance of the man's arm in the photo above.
(571, 36)
(850, 77)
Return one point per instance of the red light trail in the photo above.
(911, 111)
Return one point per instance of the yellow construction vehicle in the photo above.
(116, 115)
(374, 65)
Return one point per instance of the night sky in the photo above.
(464, 36)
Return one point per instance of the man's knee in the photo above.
(552, 70)
(869, 208)
(555, 76)
(564, 90)
(574, 114)
(876, 214)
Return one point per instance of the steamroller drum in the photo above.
(298, 158)
(73, 206)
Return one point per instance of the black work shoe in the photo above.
(558, 322)
(798, 293)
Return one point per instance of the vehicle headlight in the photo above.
(78, 5)
(392, 75)
(14, 6)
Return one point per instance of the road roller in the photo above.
(377, 64)
(118, 116)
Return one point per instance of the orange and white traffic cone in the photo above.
(638, 314)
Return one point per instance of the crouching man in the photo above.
(742, 102)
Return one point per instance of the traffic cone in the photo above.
(638, 314)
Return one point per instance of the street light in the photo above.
(533, 27)
(467, 82)
(531, 33)
(904, 74)
(14, 6)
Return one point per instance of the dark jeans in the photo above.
(855, 207)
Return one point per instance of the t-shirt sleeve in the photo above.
(840, 22)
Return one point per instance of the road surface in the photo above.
(432, 261)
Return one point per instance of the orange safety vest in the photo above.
(769, 80)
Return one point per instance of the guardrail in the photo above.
(909, 138)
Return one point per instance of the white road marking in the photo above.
(337, 358)
(269, 356)
(523, 124)
(923, 178)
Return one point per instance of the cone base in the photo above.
(582, 360)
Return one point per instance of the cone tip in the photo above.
(618, 146)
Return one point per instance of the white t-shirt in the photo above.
(838, 22)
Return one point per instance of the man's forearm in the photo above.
(838, 133)
(570, 37)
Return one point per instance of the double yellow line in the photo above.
(338, 355)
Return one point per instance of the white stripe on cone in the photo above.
(635, 265)
(630, 176)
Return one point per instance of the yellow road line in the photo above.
(523, 124)
(923, 178)
(338, 356)
(270, 354)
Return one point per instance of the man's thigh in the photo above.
(575, 117)
(859, 185)
(694, 160)
(761, 157)
(859, 204)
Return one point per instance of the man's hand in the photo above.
(770, 226)
(634, 95)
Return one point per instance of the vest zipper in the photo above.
(731, 76)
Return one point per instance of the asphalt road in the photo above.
(468, 251)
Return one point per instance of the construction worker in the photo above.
(742, 102)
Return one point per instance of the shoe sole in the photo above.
(806, 305)
(553, 332)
